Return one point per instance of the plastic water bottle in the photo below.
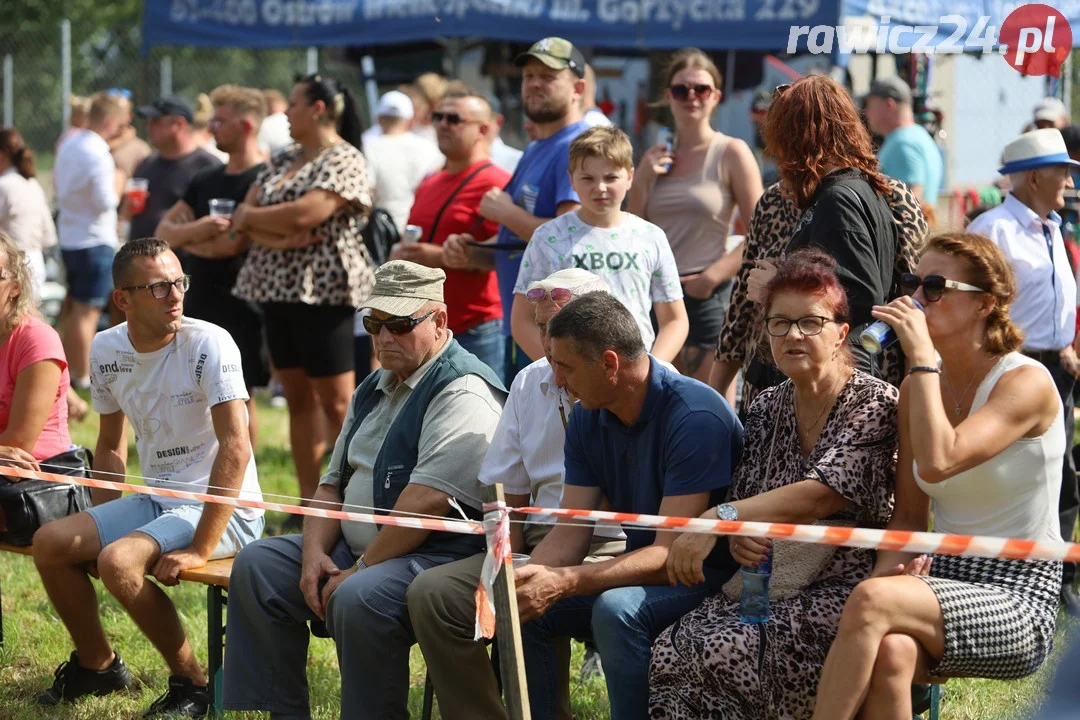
(878, 336)
(413, 234)
(754, 605)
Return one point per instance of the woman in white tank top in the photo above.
(982, 441)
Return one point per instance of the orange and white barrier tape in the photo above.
(914, 542)
(497, 529)
(417, 523)
(904, 541)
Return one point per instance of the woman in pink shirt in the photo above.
(34, 377)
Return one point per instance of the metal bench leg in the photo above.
(935, 702)
(1, 619)
(215, 626)
(429, 698)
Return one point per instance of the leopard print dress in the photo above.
(337, 270)
(742, 338)
(711, 665)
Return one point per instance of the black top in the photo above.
(168, 179)
(209, 184)
(848, 220)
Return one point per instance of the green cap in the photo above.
(556, 53)
(403, 287)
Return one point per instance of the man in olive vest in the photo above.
(415, 435)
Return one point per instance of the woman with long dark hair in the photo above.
(308, 267)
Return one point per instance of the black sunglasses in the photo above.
(450, 118)
(933, 286)
(682, 92)
(396, 325)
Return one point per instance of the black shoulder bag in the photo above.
(26, 505)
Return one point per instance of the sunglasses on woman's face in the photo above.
(396, 325)
(558, 295)
(682, 92)
(933, 286)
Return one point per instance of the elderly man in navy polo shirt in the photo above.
(646, 440)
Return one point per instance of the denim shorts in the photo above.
(89, 274)
(172, 527)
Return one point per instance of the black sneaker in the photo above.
(71, 681)
(184, 699)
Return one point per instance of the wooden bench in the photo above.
(215, 576)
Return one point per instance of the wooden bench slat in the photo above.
(215, 572)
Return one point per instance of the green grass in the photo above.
(36, 642)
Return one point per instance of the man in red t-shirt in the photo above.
(448, 203)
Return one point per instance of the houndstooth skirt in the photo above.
(999, 615)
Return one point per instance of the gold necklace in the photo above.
(958, 404)
(829, 399)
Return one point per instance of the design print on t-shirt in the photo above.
(634, 258)
(167, 395)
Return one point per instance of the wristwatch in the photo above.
(727, 511)
(360, 564)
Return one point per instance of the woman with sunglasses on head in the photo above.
(691, 191)
(819, 447)
(981, 444)
(828, 169)
(308, 267)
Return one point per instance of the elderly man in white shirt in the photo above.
(1027, 228)
(526, 455)
(87, 196)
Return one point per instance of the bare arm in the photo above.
(320, 534)
(110, 455)
(517, 529)
(911, 510)
(35, 392)
(674, 326)
(722, 375)
(523, 327)
(307, 212)
(806, 501)
(645, 566)
(395, 542)
(179, 228)
(226, 475)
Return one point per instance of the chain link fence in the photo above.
(43, 64)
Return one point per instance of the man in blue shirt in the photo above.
(552, 83)
(908, 152)
(642, 439)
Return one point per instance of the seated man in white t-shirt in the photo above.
(180, 384)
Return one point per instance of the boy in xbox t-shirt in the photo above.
(630, 253)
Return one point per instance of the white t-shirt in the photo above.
(167, 396)
(634, 258)
(85, 176)
(398, 163)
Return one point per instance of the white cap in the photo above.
(395, 104)
(1051, 110)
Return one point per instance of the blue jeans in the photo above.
(485, 341)
(623, 622)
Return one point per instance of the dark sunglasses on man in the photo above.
(450, 118)
(682, 92)
(933, 286)
(396, 325)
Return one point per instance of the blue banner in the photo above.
(620, 24)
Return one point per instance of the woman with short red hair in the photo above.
(818, 447)
(828, 168)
